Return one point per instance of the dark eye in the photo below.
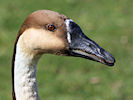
(51, 27)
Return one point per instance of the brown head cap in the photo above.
(40, 18)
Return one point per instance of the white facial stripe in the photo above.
(68, 29)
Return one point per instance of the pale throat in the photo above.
(25, 81)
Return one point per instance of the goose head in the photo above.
(46, 31)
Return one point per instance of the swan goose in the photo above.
(42, 32)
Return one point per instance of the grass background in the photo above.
(108, 22)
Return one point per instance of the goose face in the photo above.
(46, 31)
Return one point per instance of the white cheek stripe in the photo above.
(68, 29)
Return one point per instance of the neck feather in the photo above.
(25, 82)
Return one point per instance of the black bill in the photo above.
(81, 46)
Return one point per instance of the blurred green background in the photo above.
(108, 22)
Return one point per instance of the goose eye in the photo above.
(51, 27)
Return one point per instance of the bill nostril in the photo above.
(90, 45)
